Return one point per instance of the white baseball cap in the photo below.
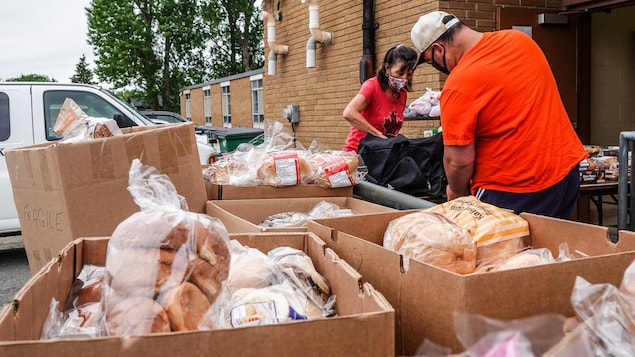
(429, 28)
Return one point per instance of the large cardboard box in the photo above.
(67, 191)
(244, 216)
(425, 296)
(231, 192)
(364, 325)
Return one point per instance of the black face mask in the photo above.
(437, 66)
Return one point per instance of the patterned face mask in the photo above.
(398, 84)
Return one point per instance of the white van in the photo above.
(28, 112)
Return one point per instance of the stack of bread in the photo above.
(262, 289)
(163, 271)
(258, 166)
(464, 235)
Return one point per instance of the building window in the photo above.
(188, 109)
(257, 105)
(226, 103)
(207, 105)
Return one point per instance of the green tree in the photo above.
(156, 46)
(83, 74)
(31, 78)
(237, 43)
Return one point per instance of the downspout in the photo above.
(317, 35)
(274, 48)
(367, 64)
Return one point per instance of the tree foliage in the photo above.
(237, 43)
(31, 78)
(83, 74)
(161, 46)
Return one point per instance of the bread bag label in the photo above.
(487, 223)
(287, 168)
(336, 170)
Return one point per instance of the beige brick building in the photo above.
(588, 49)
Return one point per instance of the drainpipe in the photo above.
(317, 35)
(367, 64)
(274, 48)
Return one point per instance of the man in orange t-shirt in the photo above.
(508, 139)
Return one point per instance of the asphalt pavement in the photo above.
(14, 268)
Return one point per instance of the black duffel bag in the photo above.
(412, 166)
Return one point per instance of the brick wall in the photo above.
(240, 90)
(322, 92)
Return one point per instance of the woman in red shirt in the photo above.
(379, 106)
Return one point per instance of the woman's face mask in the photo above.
(397, 84)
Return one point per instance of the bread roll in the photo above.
(185, 305)
(285, 168)
(251, 269)
(431, 238)
(335, 168)
(91, 292)
(522, 260)
(151, 229)
(136, 316)
(206, 277)
(143, 272)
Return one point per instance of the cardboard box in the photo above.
(425, 297)
(67, 191)
(230, 192)
(244, 216)
(364, 325)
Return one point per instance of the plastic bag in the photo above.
(534, 256)
(427, 104)
(268, 305)
(298, 267)
(322, 209)
(498, 233)
(165, 266)
(335, 169)
(281, 288)
(486, 337)
(607, 313)
(431, 238)
(74, 125)
(250, 268)
(285, 168)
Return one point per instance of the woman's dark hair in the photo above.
(405, 54)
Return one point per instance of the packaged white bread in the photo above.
(498, 233)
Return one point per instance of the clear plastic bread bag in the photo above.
(297, 267)
(498, 233)
(335, 169)
(607, 314)
(431, 238)
(80, 315)
(285, 168)
(165, 265)
(75, 125)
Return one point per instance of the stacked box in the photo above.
(425, 296)
(66, 191)
(244, 216)
(364, 325)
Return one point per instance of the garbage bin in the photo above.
(230, 138)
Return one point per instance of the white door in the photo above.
(16, 130)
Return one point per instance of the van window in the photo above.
(91, 104)
(5, 128)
